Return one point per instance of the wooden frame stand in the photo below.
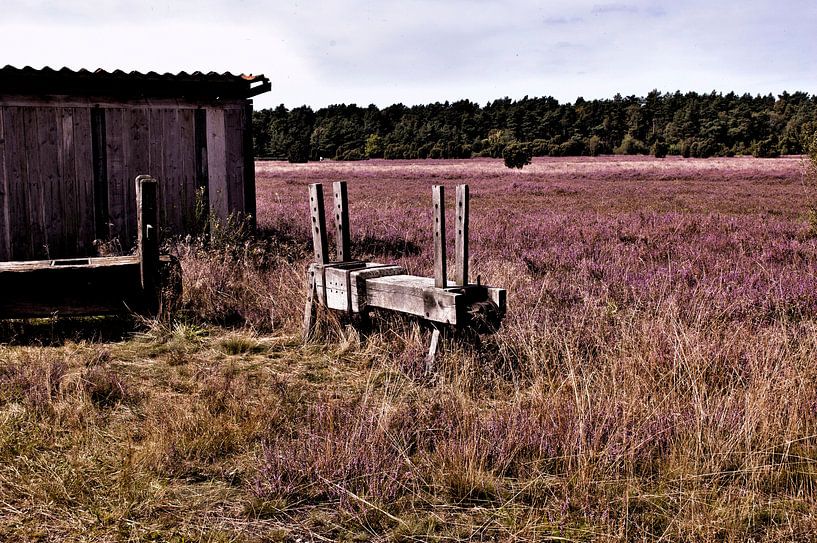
(96, 286)
(353, 286)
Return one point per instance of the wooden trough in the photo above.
(96, 286)
(353, 286)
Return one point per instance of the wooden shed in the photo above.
(72, 143)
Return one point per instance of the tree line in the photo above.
(690, 125)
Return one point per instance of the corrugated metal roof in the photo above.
(85, 82)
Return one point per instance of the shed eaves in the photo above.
(121, 84)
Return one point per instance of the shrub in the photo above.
(659, 149)
(631, 146)
(516, 155)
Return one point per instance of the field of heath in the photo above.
(654, 378)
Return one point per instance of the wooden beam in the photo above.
(311, 307)
(461, 246)
(318, 223)
(342, 237)
(147, 215)
(99, 151)
(440, 272)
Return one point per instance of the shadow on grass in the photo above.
(56, 331)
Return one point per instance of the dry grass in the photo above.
(653, 381)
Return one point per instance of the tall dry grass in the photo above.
(653, 380)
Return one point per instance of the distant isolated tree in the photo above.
(516, 155)
(659, 149)
(374, 146)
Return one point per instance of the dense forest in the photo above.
(691, 125)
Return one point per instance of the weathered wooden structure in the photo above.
(97, 286)
(353, 286)
(71, 143)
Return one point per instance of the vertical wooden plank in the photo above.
(99, 136)
(86, 176)
(233, 144)
(138, 162)
(5, 246)
(249, 165)
(319, 243)
(53, 189)
(202, 175)
(311, 307)
(18, 216)
(34, 185)
(216, 163)
(148, 239)
(461, 244)
(440, 272)
(342, 221)
(68, 181)
(128, 234)
(172, 183)
(157, 157)
(187, 149)
(117, 175)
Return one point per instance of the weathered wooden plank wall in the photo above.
(67, 171)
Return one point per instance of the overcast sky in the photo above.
(419, 51)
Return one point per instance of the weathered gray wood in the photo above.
(342, 237)
(18, 217)
(461, 244)
(172, 188)
(68, 181)
(357, 280)
(318, 221)
(217, 163)
(5, 245)
(137, 132)
(433, 347)
(440, 272)
(311, 308)
(234, 159)
(249, 164)
(335, 284)
(415, 296)
(148, 240)
(187, 143)
(116, 176)
(83, 150)
(55, 212)
(34, 186)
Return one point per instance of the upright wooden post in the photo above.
(438, 198)
(342, 221)
(461, 246)
(147, 222)
(318, 223)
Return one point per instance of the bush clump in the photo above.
(516, 155)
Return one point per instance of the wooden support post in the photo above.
(433, 347)
(147, 215)
(342, 221)
(311, 308)
(440, 273)
(318, 223)
(461, 246)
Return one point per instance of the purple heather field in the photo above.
(713, 239)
